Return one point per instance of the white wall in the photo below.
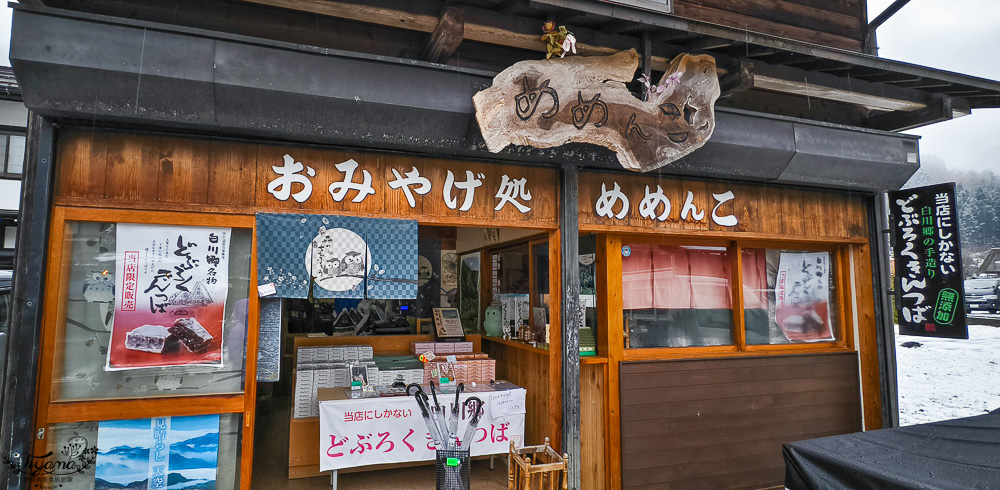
(13, 114)
(10, 194)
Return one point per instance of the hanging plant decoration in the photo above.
(558, 41)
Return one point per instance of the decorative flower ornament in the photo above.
(568, 44)
(559, 41)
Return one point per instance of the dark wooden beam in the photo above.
(569, 236)
(937, 110)
(878, 97)
(447, 36)
(513, 7)
(619, 26)
(708, 42)
(23, 337)
(737, 81)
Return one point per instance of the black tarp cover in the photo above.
(961, 454)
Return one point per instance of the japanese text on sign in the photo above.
(613, 203)
(928, 261)
(294, 180)
(361, 432)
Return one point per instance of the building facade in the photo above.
(733, 300)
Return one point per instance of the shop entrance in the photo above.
(496, 279)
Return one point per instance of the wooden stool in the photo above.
(536, 467)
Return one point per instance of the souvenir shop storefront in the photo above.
(211, 285)
(166, 308)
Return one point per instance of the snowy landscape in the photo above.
(943, 378)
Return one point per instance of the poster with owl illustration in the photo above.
(338, 258)
(173, 283)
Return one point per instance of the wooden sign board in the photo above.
(153, 172)
(619, 202)
(549, 103)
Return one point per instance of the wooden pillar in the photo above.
(18, 380)
(879, 236)
(569, 232)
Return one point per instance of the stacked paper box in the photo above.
(466, 371)
(407, 376)
(327, 367)
(441, 347)
(305, 395)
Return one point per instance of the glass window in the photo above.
(203, 451)
(468, 292)
(540, 303)
(84, 369)
(9, 236)
(511, 288)
(588, 295)
(676, 296)
(15, 158)
(788, 296)
(3, 150)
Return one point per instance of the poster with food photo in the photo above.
(802, 296)
(173, 281)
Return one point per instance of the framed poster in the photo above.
(174, 281)
(448, 323)
(802, 296)
(930, 291)
(158, 453)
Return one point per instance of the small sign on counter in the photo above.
(510, 402)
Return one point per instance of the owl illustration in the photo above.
(99, 287)
(331, 267)
(352, 265)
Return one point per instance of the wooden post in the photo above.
(569, 232)
(21, 371)
(446, 37)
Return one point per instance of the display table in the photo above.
(367, 431)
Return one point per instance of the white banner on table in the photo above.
(367, 431)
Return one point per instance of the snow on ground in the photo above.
(945, 379)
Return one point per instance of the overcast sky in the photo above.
(957, 35)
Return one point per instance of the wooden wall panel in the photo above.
(182, 171)
(592, 435)
(764, 212)
(720, 423)
(118, 170)
(837, 24)
(232, 171)
(83, 164)
(132, 167)
(528, 368)
(867, 343)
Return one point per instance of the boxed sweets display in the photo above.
(158, 339)
(327, 367)
(441, 347)
(468, 368)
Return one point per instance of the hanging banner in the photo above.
(336, 257)
(930, 297)
(802, 296)
(366, 431)
(174, 281)
(157, 453)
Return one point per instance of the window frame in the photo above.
(6, 132)
(841, 272)
(50, 411)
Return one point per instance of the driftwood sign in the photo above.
(549, 103)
